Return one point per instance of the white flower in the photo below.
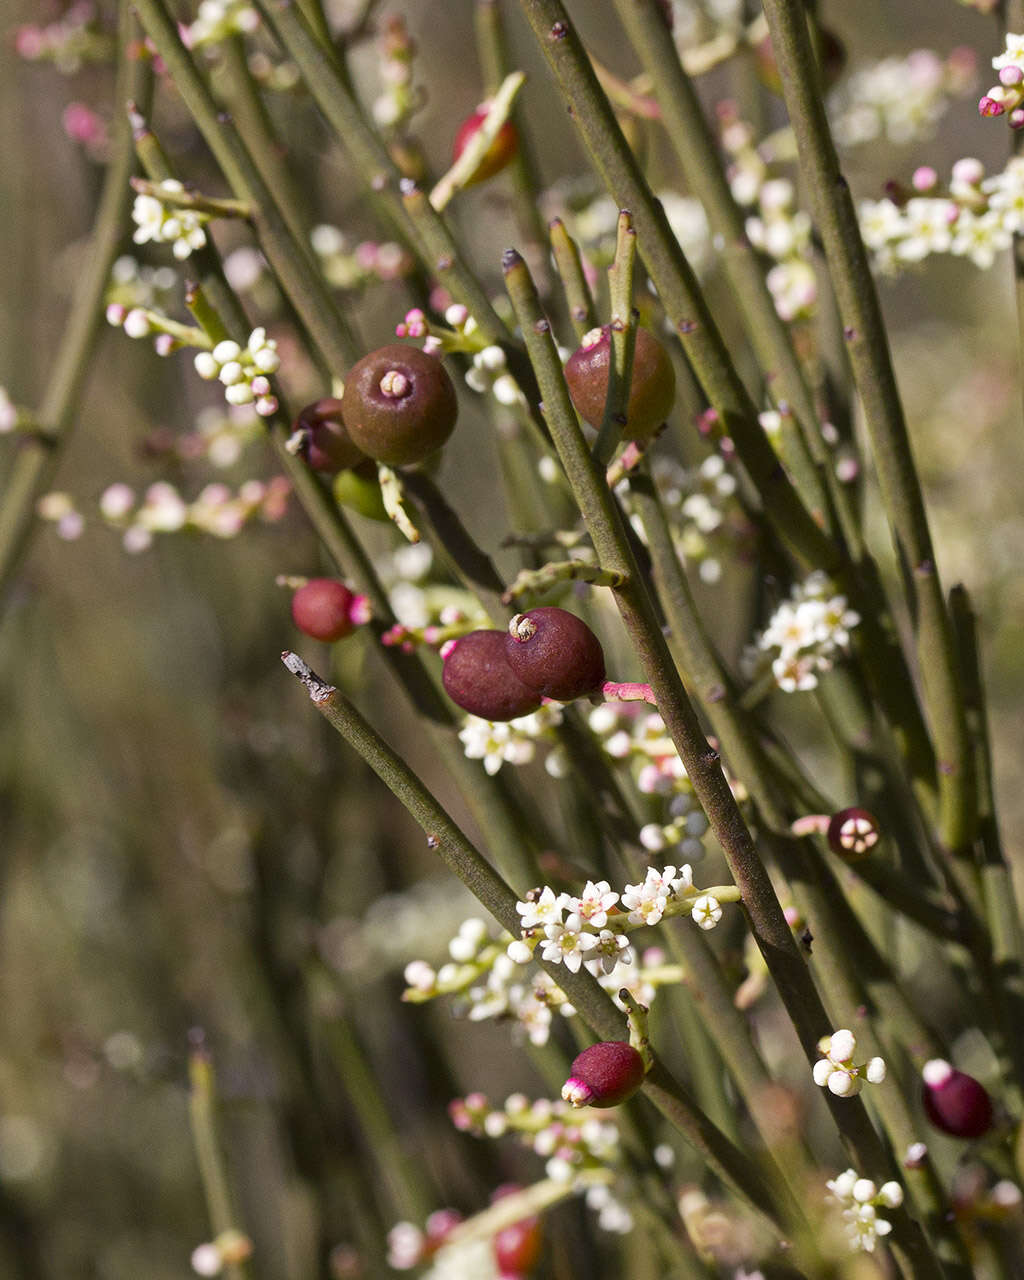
(420, 976)
(707, 911)
(646, 902)
(567, 943)
(206, 1260)
(594, 903)
(1013, 55)
(544, 910)
(612, 950)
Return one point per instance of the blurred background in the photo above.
(183, 843)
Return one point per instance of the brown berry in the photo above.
(478, 679)
(399, 405)
(328, 447)
(652, 391)
(555, 653)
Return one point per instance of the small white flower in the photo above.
(567, 943)
(544, 910)
(594, 903)
(419, 975)
(206, 1260)
(707, 911)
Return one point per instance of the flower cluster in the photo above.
(218, 20)
(1007, 97)
(860, 1200)
(513, 741)
(805, 633)
(640, 736)
(243, 370)
(180, 228)
(69, 42)
(778, 228)
(217, 510)
(574, 1144)
(900, 99)
(346, 267)
(133, 284)
(489, 373)
(836, 1071)
(700, 506)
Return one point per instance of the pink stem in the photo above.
(613, 692)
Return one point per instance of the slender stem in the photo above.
(674, 279)
(466, 862)
(698, 156)
(569, 266)
(38, 455)
(875, 379)
(202, 1111)
(290, 261)
(615, 417)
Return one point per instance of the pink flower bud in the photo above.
(604, 1075)
(989, 106)
(954, 1101)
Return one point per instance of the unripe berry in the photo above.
(604, 1075)
(497, 155)
(652, 391)
(555, 653)
(954, 1101)
(359, 489)
(478, 679)
(328, 447)
(399, 405)
(322, 609)
(852, 833)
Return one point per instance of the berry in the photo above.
(479, 680)
(516, 1247)
(652, 391)
(852, 833)
(954, 1101)
(555, 653)
(322, 609)
(399, 405)
(328, 446)
(497, 155)
(604, 1075)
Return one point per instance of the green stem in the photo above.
(466, 862)
(38, 455)
(615, 417)
(202, 1111)
(875, 379)
(569, 266)
(703, 766)
(674, 279)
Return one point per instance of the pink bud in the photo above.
(604, 1075)
(988, 106)
(924, 178)
(1010, 75)
(954, 1101)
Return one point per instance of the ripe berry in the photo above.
(852, 833)
(399, 405)
(497, 155)
(323, 609)
(954, 1101)
(478, 679)
(604, 1075)
(652, 391)
(555, 653)
(516, 1247)
(328, 446)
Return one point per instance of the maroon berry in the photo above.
(853, 833)
(479, 680)
(555, 653)
(323, 609)
(652, 391)
(604, 1075)
(328, 446)
(497, 155)
(399, 405)
(954, 1101)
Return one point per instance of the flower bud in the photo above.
(604, 1075)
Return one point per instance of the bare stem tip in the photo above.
(319, 690)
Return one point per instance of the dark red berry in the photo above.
(516, 1247)
(555, 653)
(853, 833)
(604, 1075)
(954, 1101)
(328, 446)
(322, 609)
(497, 155)
(652, 391)
(399, 405)
(479, 680)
